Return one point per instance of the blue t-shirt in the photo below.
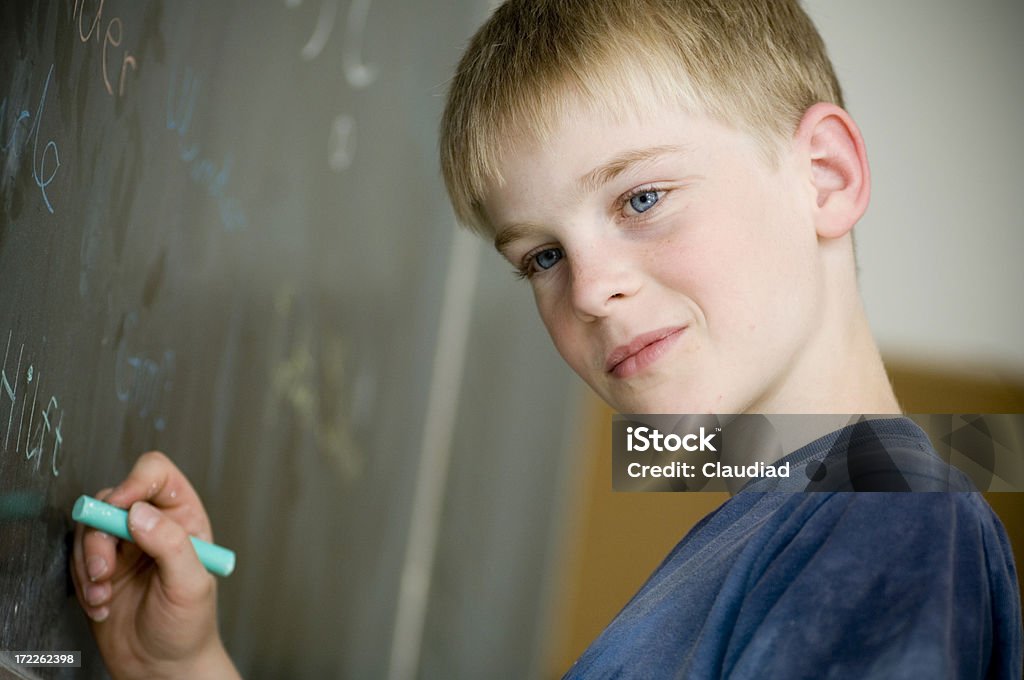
(832, 584)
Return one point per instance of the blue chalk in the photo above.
(106, 517)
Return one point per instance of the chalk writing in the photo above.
(13, 147)
(141, 380)
(342, 136)
(324, 26)
(43, 436)
(358, 74)
(213, 177)
(312, 385)
(112, 37)
(341, 145)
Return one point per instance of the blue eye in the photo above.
(644, 201)
(548, 258)
(539, 261)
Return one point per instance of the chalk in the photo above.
(106, 517)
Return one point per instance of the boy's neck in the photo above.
(840, 370)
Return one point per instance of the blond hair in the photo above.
(756, 65)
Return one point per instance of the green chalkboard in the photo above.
(223, 235)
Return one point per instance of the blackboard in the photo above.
(223, 235)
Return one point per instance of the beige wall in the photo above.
(935, 87)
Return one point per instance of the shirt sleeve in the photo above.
(879, 585)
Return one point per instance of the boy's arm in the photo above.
(152, 605)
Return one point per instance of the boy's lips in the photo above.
(643, 350)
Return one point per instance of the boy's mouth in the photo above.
(643, 350)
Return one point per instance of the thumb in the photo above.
(168, 544)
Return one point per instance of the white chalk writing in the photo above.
(43, 431)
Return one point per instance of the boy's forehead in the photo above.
(596, 160)
(577, 149)
(586, 154)
(579, 140)
(586, 149)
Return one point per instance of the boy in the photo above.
(678, 182)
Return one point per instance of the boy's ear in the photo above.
(828, 138)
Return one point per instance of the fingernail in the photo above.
(99, 615)
(95, 566)
(143, 516)
(95, 595)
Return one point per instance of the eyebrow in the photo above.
(592, 181)
(606, 172)
(511, 234)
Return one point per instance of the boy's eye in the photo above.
(539, 260)
(644, 200)
(547, 258)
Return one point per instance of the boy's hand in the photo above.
(152, 604)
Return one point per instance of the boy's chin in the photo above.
(672, 403)
(717, 395)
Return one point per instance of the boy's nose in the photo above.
(600, 281)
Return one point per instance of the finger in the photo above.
(156, 479)
(94, 554)
(92, 596)
(168, 544)
(99, 550)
